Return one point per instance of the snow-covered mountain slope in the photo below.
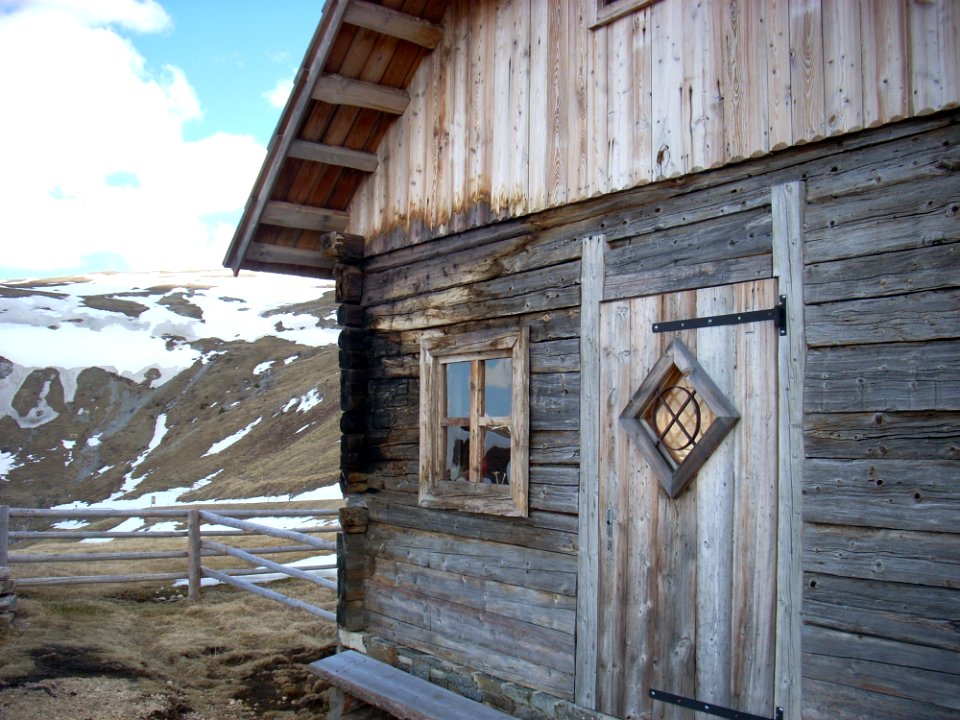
(154, 388)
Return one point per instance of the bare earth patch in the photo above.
(140, 654)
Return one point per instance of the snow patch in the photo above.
(222, 445)
(8, 463)
(292, 358)
(94, 440)
(309, 401)
(263, 367)
(130, 483)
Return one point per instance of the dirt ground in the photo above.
(142, 653)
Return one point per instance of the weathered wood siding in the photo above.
(881, 485)
(524, 107)
(882, 413)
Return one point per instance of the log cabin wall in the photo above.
(881, 415)
(523, 106)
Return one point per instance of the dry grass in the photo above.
(232, 655)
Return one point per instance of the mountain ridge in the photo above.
(125, 387)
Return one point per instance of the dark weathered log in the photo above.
(352, 455)
(917, 215)
(930, 155)
(908, 613)
(892, 555)
(349, 283)
(350, 315)
(537, 607)
(928, 675)
(346, 248)
(353, 422)
(351, 340)
(828, 701)
(552, 447)
(916, 317)
(687, 277)
(917, 436)
(541, 646)
(892, 273)
(555, 401)
(497, 661)
(537, 569)
(555, 356)
(537, 291)
(539, 531)
(721, 238)
(897, 494)
(353, 360)
(899, 376)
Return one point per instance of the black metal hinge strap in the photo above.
(777, 314)
(716, 710)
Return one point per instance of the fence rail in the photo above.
(197, 548)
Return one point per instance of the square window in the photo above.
(474, 422)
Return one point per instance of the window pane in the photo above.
(457, 453)
(458, 389)
(496, 455)
(496, 391)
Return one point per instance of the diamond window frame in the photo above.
(675, 476)
(471, 495)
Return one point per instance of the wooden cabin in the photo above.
(651, 349)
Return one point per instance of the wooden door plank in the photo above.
(755, 517)
(714, 488)
(614, 511)
(642, 494)
(674, 590)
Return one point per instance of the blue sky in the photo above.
(133, 130)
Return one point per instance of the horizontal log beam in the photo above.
(304, 217)
(393, 23)
(280, 255)
(333, 155)
(338, 90)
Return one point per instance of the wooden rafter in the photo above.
(338, 90)
(280, 144)
(279, 255)
(394, 23)
(333, 155)
(304, 217)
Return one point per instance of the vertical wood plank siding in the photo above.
(880, 416)
(523, 107)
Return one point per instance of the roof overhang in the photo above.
(351, 86)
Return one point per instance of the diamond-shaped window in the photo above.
(678, 417)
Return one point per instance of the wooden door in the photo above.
(687, 585)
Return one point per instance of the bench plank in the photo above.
(401, 694)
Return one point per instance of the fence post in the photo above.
(4, 534)
(194, 572)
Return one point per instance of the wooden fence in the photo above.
(198, 546)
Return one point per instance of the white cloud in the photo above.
(277, 97)
(95, 160)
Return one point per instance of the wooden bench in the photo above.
(396, 692)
